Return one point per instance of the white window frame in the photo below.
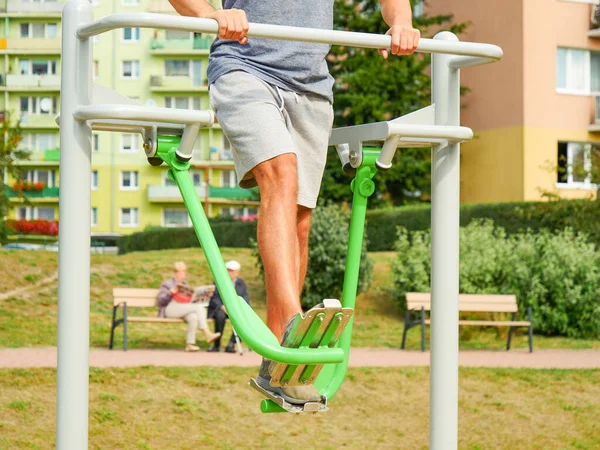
(96, 69)
(33, 176)
(94, 217)
(30, 33)
(94, 180)
(232, 176)
(52, 70)
(135, 177)
(135, 142)
(129, 225)
(95, 142)
(135, 35)
(166, 181)
(32, 212)
(587, 166)
(171, 100)
(31, 142)
(587, 70)
(135, 69)
(164, 222)
(38, 108)
(189, 74)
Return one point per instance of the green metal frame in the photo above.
(247, 323)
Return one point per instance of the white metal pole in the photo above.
(445, 198)
(74, 237)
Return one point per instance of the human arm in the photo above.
(242, 290)
(233, 23)
(165, 294)
(398, 15)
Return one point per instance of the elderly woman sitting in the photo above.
(174, 301)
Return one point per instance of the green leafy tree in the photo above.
(9, 155)
(368, 89)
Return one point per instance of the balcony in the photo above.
(50, 157)
(37, 46)
(48, 193)
(32, 82)
(170, 194)
(171, 47)
(176, 84)
(232, 193)
(161, 6)
(37, 9)
(38, 120)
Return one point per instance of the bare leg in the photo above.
(277, 238)
(303, 230)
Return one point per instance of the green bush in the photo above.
(328, 245)
(580, 215)
(228, 233)
(557, 274)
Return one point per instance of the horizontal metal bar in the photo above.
(332, 37)
(462, 62)
(453, 134)
(144, 114)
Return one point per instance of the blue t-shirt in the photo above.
(297, 66)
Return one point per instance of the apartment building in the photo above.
(535, 114)
(156, 67)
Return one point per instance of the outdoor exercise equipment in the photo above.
(168, 136)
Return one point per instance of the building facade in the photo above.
(155, 67)
(535, 114)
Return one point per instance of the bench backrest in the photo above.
(467, 302)
(139, 298)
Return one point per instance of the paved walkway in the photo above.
(359, 357)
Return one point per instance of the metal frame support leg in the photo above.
(113, 325)
(125, 336)
(406, 327)
(445, 196)
(510, 331)
(74, 237)
(422, 322)
(530, 318)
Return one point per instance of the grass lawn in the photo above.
(191, 408)
(28, 316)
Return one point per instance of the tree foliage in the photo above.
(9, 155)
(369, 88)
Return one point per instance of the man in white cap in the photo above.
(216, 308)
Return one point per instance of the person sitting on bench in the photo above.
(174, 301)
(217, 311)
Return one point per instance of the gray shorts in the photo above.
(263, 121)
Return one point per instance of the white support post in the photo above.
(74, 236)
(445, 198)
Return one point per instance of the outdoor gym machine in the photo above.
(168, 137)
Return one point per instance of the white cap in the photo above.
(233, 265)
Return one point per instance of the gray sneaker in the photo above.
(297, 395)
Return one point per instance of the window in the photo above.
(578, 164)
(226, 153)
(94, 218)
(196, 178)
(176, 218)
(129, 180)
(131, 69)
(95, 142)
(45, 213)
(183, 102)
(577, 71)
(128, 217)
(195, 174)
(38, 30)
(37, 67)
(130, 2)
(418, 9)
(94, 180)
(38, 141)
(130, 143)
(38, 105)
(96, 69)
(228, 178)
(36, 176)
(177, 68)
(33, 213)
(131, 34)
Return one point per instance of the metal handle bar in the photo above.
(479, 53)
(143, 113)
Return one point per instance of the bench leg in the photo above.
(422, 329)
(112, 328)
(530, 318)
(124, 327)
(510, 331)
(406, 327)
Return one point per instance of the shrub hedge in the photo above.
(556, 273)
(581, 215)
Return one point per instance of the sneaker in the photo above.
(213, 349)
(191, 348)
(230, 349)
(212, 337)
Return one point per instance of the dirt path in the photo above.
(21, 290)
(359, 357)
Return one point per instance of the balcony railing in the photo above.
(47, 192)
(173, 84)
(232, 193)
(15, 6)
(196, 45)
(170, 193)
(40, 45)
(33, 81)
(38, 120)
(51, 156)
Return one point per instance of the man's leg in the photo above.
(303, 232)
(220, 318)
(278, 239)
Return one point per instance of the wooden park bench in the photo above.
(143, 298)
(419, 303)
